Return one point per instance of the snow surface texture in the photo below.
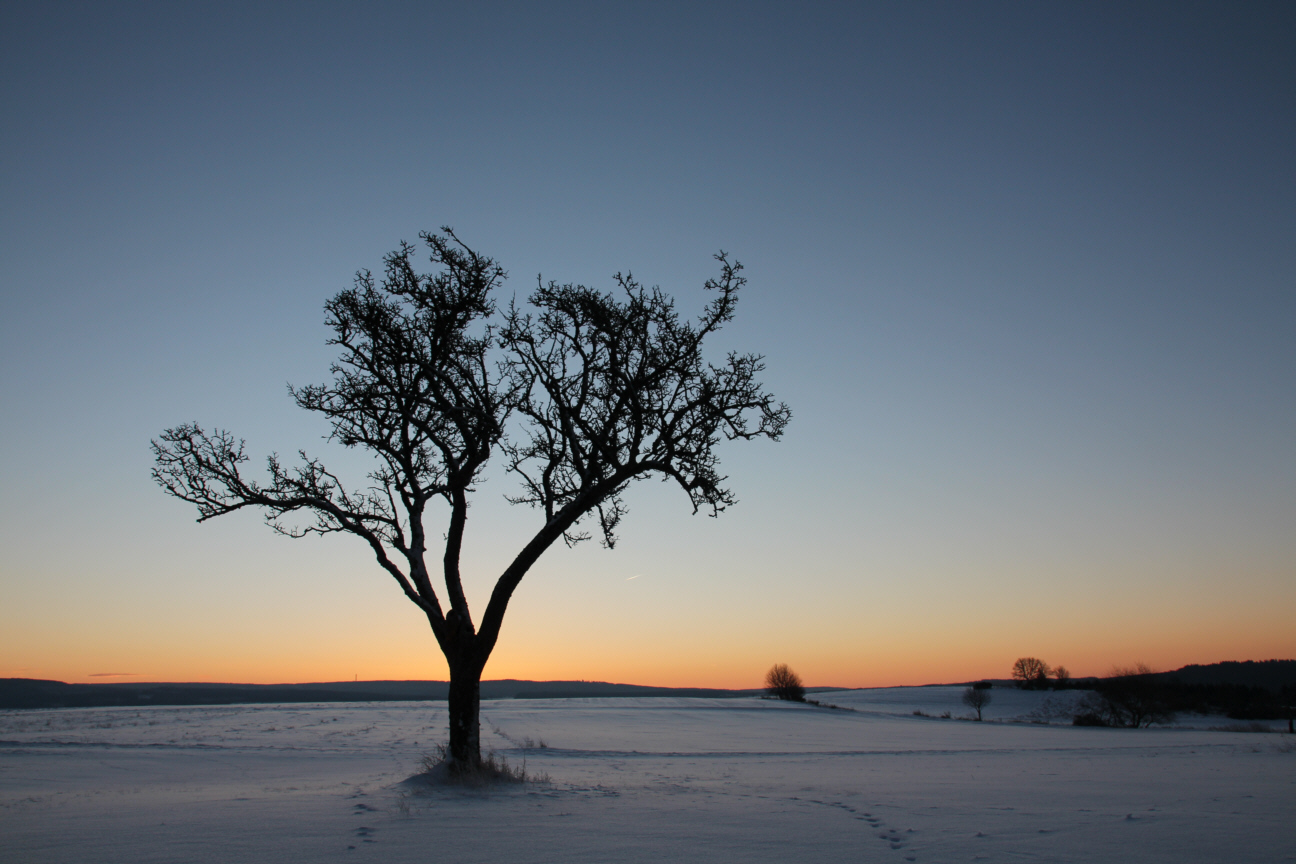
(654, 779)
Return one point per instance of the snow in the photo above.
(652, 779)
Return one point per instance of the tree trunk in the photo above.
(465, 720)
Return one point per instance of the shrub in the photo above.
(782, 683)
(1132, 697)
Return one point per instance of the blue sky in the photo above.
(1023, 272)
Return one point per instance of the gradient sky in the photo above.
(1024, 273)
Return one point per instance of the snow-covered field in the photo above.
(641, 780)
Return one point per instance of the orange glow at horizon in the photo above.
(272, 611)
(910, 665)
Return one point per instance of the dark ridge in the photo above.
(1250, 690)
(36, 693)
(32, 693)
(590, 689)
(1269, 674)
(1272, 675)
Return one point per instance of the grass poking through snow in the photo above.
(493, 770)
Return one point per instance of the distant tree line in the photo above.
(1137, 696)
(1238, 701)
(1270, 674)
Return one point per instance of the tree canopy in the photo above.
(1030, 673)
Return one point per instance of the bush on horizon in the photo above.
(782, 683)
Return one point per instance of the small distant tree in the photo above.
(1063, 677)
(977, 698)
(1030, 673)
(782, 683)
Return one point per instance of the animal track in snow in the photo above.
(892, 837)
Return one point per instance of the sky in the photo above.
(1023, 272)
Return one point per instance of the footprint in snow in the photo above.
(893, 837)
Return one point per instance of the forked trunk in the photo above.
(465, 721)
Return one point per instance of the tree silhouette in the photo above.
(581, 394)
(1131, 696)
(782, 683)
(977, 698)
(1030, 673)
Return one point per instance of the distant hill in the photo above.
(1269, 674)
(36, 693)
(1266, 674)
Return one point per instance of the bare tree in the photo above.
(1030, 673)
(1130, 696)
(782, 683)
(977, 698)
(582, 394)
(1063, 677)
